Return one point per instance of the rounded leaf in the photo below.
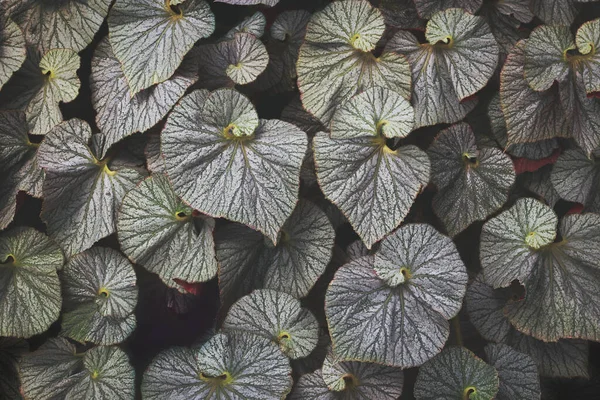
(576, 177)
(29, 287)
(418, 276)
(12, 48)
(517, 373)
(225, 163)
(160, 232)
(456, 373)
(276, 316)
(234, 365)
(100, 297)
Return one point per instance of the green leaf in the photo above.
(427, 8)
(350, 380)
(460, 57)
(40, 85)
(393, 308)
(11, 351)
(555, 12)
(57, 371)
(560, 278)
(565, 358)
(455, 374)
(18, 161)
(374, 112)
(100, 296)
(29, 287)
(517, 373)
(117, 113)
(338, 50)
(472, 183)
(276, 316)
(228, 366)
(12, 48)
(157, 230)
(269, 3)
(531, 116)
(576, 177)
(387, 180)
(154, 159)
(67, 24)
(237, 61)
(151, 37)
(255, 25)
(82, 194)
(224, 162)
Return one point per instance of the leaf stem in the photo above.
(457, 332)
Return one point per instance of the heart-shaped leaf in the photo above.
(18, 161)
(472, 183)
(549, 58)
(160, 232)
(82, 193)
(560, 278)
(456, 373)
(11, 351)
(576, 177)
(151, 37)
(237, 61)
(269, 3)
(65, 24)
(350, 380)
(248, 261)
(12, 48)
(517, 373)
(565, 358)
(460, 57)
(100, 297)
(117, 113)
(418, 277)
(276, 316)
(234, 365)
(40, 85)
(224, 162)
(427, 8)
(57, 371)
(29, 287)
(338, 50)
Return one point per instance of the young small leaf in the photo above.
(456, 373)
(418, 277)
(517, 373)
(29, 287)
(100, 297)
(234, 365)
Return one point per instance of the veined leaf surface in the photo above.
(12, 48)
(517, 373)
(269, 3)
(576, 177)
(427, 8)
(11, 351)
(254, 24)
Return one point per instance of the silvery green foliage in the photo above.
(12, 48)
(517, 373)
(56, 370)
(249, 2)
(576, 177)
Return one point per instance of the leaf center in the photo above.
(220, 380)
(405, 273)
(104, 292)
(470, 160)
(468, 392)
(174, 10)
(182, 216)
(10, 259)
(350, 381)
(359, 43)
(95, 374)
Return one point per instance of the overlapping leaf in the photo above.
(255, 25)
(56, 371)
(460, 57)
(539, 182)
(82, 193)
(18, 162)
(224, 162)
(234, 365)
(350, 380)
(239, 60)
(119, 114)
(456, 373)
(151, 37)
(556, 12)
(100, 297)
(160, 232)
(393, 308)
(11, 351)
(517, 373)
(29, 287)
(12, 48)
(505, 19)
(372, 184)
(576, 177)
(427, 8)
(292, 266)
(40, 85)
(401, 14)
(338, 50)
(472, 183)
(66, 24)
(269, 3)
(565, 358)
(560, 278)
